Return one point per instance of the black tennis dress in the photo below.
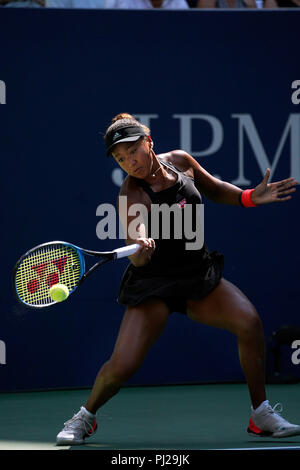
(174, 274)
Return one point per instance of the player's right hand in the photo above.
(145, 251)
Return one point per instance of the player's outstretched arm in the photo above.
(223, 192)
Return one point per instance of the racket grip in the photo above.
(126, 250)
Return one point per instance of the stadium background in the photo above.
(66, 74)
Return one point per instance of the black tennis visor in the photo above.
(125, 134)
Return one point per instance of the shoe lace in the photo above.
(74, 423)
(277, 408)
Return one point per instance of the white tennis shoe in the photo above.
(266, 422)
(82, 425)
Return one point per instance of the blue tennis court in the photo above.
(193, 417)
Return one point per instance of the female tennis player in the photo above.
(164, 276)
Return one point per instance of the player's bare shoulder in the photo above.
(181, 160)
(133, 191)
(127, 186)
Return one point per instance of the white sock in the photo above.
(87, 413)
(261, 406)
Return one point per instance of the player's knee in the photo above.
(250, 323)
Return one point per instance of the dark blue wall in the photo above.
(66, 74)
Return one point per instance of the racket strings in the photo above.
(44, 267)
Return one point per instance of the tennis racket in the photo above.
(57, 262)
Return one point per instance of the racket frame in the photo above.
(104, 255)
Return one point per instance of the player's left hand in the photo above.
(279, 191)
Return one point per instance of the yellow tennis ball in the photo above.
(59, 292)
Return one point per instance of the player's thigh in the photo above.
(141, 326)
(225, 307)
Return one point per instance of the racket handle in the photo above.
(126, 250)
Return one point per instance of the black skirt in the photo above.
(190, 279)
